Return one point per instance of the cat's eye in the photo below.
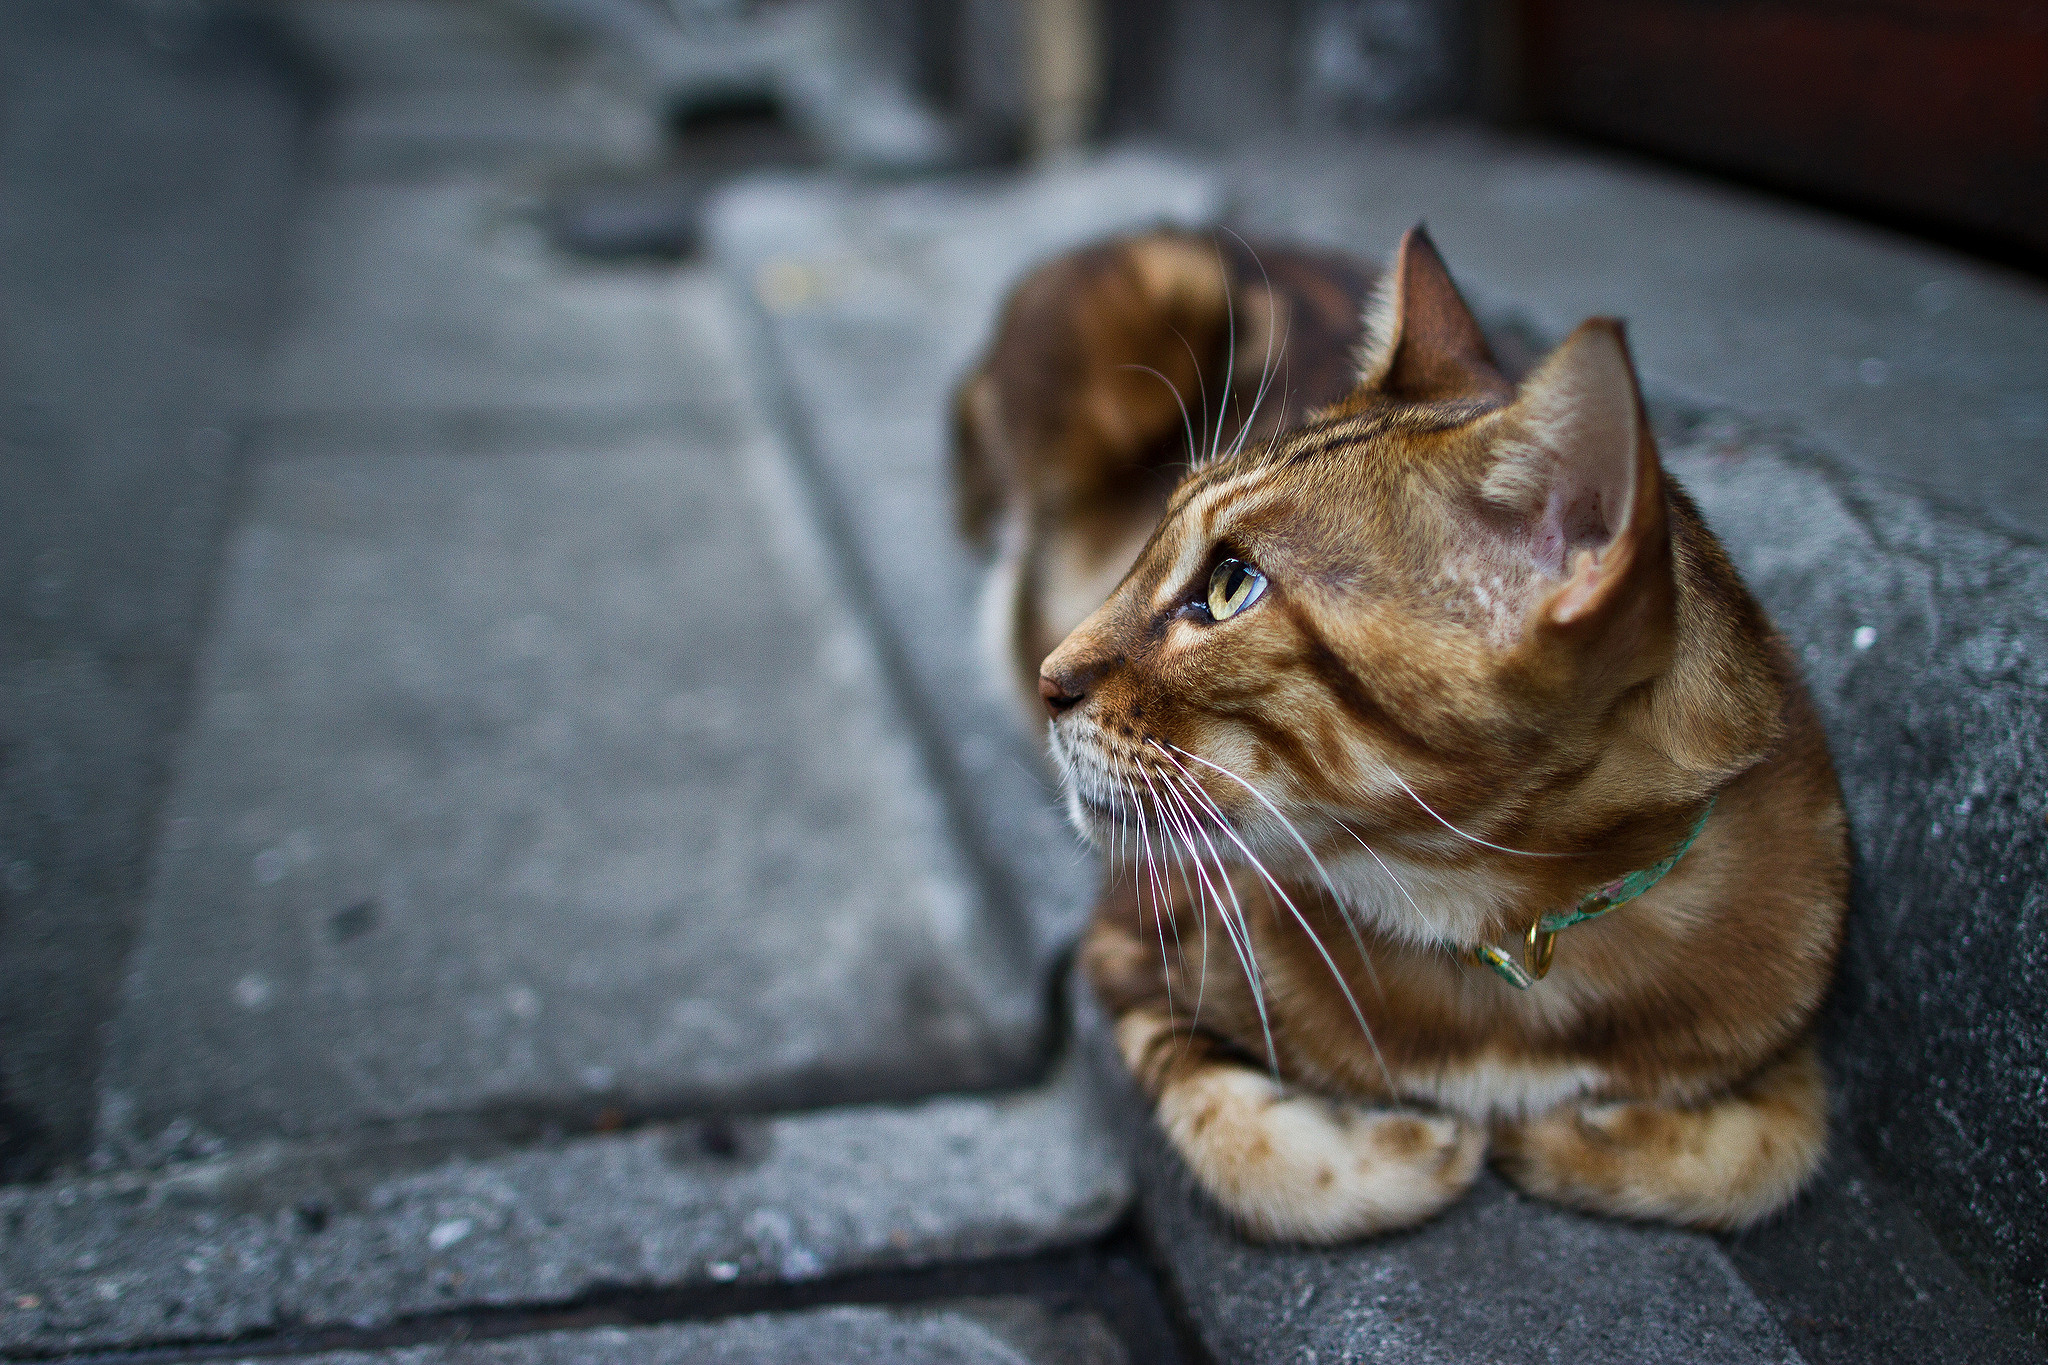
(1233, 586)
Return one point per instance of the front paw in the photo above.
(1290, 1166)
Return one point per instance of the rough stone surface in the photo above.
(1935, 1005)
(1854, 1276)
(876, 301)
(970, 1332)
(1925, 641)
(1896, 358)
(552, 778)
(442, 296)
(342, 1232)
(146, 185)
(1498, 1278)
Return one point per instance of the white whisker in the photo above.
(1166, 830)
(1336, 897)
(1314, 938)
(1472, 838)
(1187, 423)
(1237, 930)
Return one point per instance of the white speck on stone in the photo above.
(108, 1289)
(447, 1234)
(1864, 638)
(597, 1077)
(269, 865)
(725, 1272)
(799, 1263)
(1935, 829)
(1873, 371)
(252, 992)
(522, 1001)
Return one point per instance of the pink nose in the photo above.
(1057, 698)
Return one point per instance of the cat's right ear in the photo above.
(1422, 344)
(1576, 475)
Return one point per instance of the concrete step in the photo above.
(371, 1229)
(970, 1332)
(873, 302)
(1887, 599)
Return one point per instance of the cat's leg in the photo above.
(1722, 1164)
(1284, 1163)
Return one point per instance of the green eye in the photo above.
(1233, 586)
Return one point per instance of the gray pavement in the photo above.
(873, 301)
(586, 856)
(146, 195)
(971, 1332)
(378, 1229)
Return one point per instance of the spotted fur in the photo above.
(1499, 661)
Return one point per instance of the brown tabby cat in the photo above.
(1469, 798)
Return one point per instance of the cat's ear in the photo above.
(1422, 344)
(1576, 473)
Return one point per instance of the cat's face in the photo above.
(1435, 601)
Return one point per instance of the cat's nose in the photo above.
(1058, 700)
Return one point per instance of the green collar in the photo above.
(1542, 936)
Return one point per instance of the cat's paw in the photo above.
(1295, 1167)
(1724, 1164)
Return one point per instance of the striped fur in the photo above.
(1499, 661)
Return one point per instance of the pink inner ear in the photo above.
(1574, 518)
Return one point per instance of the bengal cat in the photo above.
(1459, 797)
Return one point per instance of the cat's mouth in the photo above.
(1094, 803)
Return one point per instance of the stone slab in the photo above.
(444, 295)
(1924, 638)
(1496, 1280)
(1897, 358)
(542, 782)
(349, 1232)
(874, 301)
(1854, 1276)
(1922, 630)
(971, 1332)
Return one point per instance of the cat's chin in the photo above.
(1095, 819)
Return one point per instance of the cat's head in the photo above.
(1449, 600)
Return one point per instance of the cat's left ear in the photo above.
(1577, 477)
(1422, 344)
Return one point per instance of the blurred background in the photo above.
(507, 847)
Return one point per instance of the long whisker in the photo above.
(1392, 875)
(1238, 930)
(1187, 423)
(1174, 846)
(1201, 396)
(1336, 897)
(1266, 369)
(1158, 903)
(1229, 360)
(1223, 822)
(1470, 838)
